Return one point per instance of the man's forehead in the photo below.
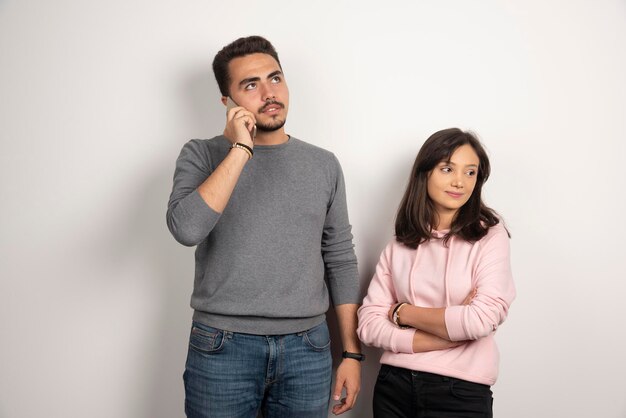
(253, 65)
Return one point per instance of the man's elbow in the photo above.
(187, 235)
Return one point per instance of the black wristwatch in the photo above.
(356, 356)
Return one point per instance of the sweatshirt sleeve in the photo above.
(337, 247)
(189, 218)
(495, 291)
(375, 328)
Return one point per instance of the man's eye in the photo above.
(276, 79)
(250, 86)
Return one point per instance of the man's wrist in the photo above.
(248, 149)
(354, 356)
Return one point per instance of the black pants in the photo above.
(402, 393)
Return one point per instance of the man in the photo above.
(268, 214)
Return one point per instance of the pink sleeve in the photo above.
(495, 291)
(375, 328)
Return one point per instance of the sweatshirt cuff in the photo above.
(404, 340)
(454, 323)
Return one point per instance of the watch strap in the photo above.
(355, 356)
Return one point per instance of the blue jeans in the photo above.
(234, 375)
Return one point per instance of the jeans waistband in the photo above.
(429, 377)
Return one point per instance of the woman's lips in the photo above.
(455, 195)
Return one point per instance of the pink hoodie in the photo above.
(435, 276)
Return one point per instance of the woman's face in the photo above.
(451, 183)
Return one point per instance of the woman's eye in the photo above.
(471, 173)
(446, 169)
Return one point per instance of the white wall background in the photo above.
(97, 98)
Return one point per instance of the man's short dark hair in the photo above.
(239, 48)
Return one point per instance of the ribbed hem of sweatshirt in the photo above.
(258, 325)
(403, 339)
(401, 360)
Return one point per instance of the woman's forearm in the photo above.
(430, 320)
(423, 341)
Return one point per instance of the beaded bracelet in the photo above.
(396, 315)
(244, 147)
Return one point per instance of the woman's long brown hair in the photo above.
(416, 214)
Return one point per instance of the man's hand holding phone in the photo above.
(240, 124)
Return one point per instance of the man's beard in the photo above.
(270, 127)
(274, 125)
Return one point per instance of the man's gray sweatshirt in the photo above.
(263, 265)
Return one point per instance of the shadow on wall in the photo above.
(173, 278)
(371, 240)
(142, 238)
(369, 371)
(173, 263)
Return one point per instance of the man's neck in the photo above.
(271, 138)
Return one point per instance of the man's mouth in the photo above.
(271, 107)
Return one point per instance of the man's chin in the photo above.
(271, 127)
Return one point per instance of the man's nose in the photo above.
(267, 92)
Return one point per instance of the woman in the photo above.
(441, 289)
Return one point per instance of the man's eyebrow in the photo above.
(275, 73)
(249, 80)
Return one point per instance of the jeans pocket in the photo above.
(317, 338)
(206, 339)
